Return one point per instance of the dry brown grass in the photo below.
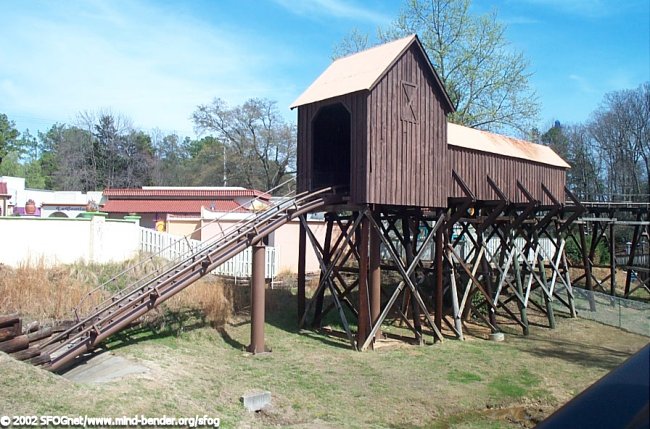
(46, 294)
(210, 295)
(40, 293)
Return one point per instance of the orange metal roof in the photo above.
(483, 141)
(184, 193)
(361, 71)
(170, 206)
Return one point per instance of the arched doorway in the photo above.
(331, 147)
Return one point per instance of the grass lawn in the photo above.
(316, 381)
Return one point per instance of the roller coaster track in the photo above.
(129, 304)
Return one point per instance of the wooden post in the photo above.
(364, 310)
(630, 261)
(329, 217)
(520, 290)
(587, 266)
(458, 324)
(257, 300)
(487, 275)
(439, 268)
(302, 248)
(375, 277)
(548, 298)
(410, 256)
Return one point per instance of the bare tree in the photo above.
(583, 177)
(260, 144)
(620, 129)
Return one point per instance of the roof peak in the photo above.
(402, 40)
(362, 70)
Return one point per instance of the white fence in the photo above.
(241, 265)
(466, 246)
(166, 245)
(172, 247)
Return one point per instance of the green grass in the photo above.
(464, 377)
(317, 381)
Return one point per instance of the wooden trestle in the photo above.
(600, 225)
(474, 258)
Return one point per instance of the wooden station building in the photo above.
(374, 124)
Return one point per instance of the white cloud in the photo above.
(133, 58)
(335, 8)
(520, 20)
(583, 85)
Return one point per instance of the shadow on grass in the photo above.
(588, 356)
(228, 339)
(282, 313)
(170, 325)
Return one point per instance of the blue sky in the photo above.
(155, 61)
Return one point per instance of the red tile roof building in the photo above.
(154, 204)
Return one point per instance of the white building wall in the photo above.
(53, 241)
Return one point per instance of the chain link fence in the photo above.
(627, 314)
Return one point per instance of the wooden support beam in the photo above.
(458, 325)
(410, 257)
(635, 241)
(9, 320)
(548, 294)
(363, 322)
(439, 280)
(15, 344)
(406, 281)
(578, 210)
(326, 280)
(487, 275)
(587, 265)
(374, 277)
(327, 255)
(520, 290)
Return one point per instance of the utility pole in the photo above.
(225, 180)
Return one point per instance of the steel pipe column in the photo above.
(257, 299)
(302, 248)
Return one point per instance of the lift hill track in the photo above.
(126, 306)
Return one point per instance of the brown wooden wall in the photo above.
(407, 155)
(474, 167)
(356, 105)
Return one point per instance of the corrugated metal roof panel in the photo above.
(354, 73)
(483, 141)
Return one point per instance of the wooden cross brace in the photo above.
(406, 280)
